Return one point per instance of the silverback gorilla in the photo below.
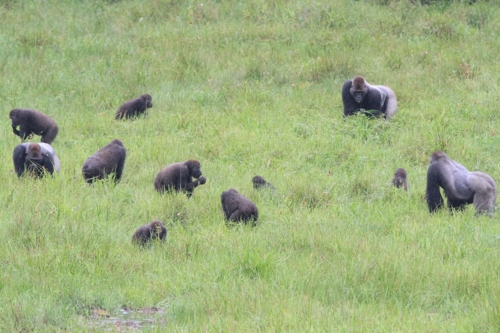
(374, 101)
(134, 107)
(149, 232)
(461, 187)
(33, 122)
(179, 177)
(108, 159)
(35, 159)
(236, 207)
(399, 179)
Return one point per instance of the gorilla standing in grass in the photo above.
(148, 232)
(35, 159)
(236, 207)
(109, 159)
(374, 101)
(179, 177)
(33, 122)
(461, 187)
(134, 107)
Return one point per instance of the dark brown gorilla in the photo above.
(33, 122)
(461, 187)
(399, 179)
(179, 177)
(134, 107)
(149, 232)
(259, 182)
(35, 159)
(236, 207)
(108, 159)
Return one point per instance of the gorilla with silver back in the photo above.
(373, 101)
(461, 187)
(35, 159)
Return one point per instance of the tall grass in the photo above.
(250, 88)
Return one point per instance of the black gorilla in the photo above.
(260, 182)
(461, 187)
(33, 122)
(134, 107)
(399, 179)
(236, 207)
(148, 232)
(179, 177)
(35, 159)
(108, 159)
(360, 96)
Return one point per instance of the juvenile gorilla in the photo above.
(179, 177)
(134, 107)
(149, 232)
(33, 122)
(108, 159)
(236, 207)
(35, 159)
(461, 187)
(399, 179)
(259, 182)
(374, 101)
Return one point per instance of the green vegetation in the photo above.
(250, 87)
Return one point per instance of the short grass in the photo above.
(250, 87)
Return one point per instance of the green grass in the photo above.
(250, 88)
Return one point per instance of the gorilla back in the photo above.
(35, 159)
(461, 187)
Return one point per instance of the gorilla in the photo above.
(374, 101)
(134, 107)
(148, 232)
(108, 159)
(259, 182)
(35, 159)
(179, 177)
(460, 186)
(236, 207)
(33, 122)
(399, 179)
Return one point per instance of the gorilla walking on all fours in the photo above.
(33, 122)
(108, 159)
(461, 187)
(134, 107)
(35, 159)
(237, 207)
(374, 101)
(179, 177)
(149, 232)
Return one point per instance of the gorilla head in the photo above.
(460, 186)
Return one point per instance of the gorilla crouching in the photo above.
(179, 177)
(236, 207)
(35, 159)
(108, 159)
(373, 101)
(149, 232)
(461, 187)
(259, 182)
(399, 179)
(134, 107)
(33, 122)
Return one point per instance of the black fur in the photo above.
(134, 107)
(35, 159)
(108, 159)
(32, 122)
(259, 182)
(399, 179)
(236, 207)
(373, 101)
(179, 177)
(461, 187)
(149, 232)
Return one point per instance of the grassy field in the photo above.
(250, 88)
